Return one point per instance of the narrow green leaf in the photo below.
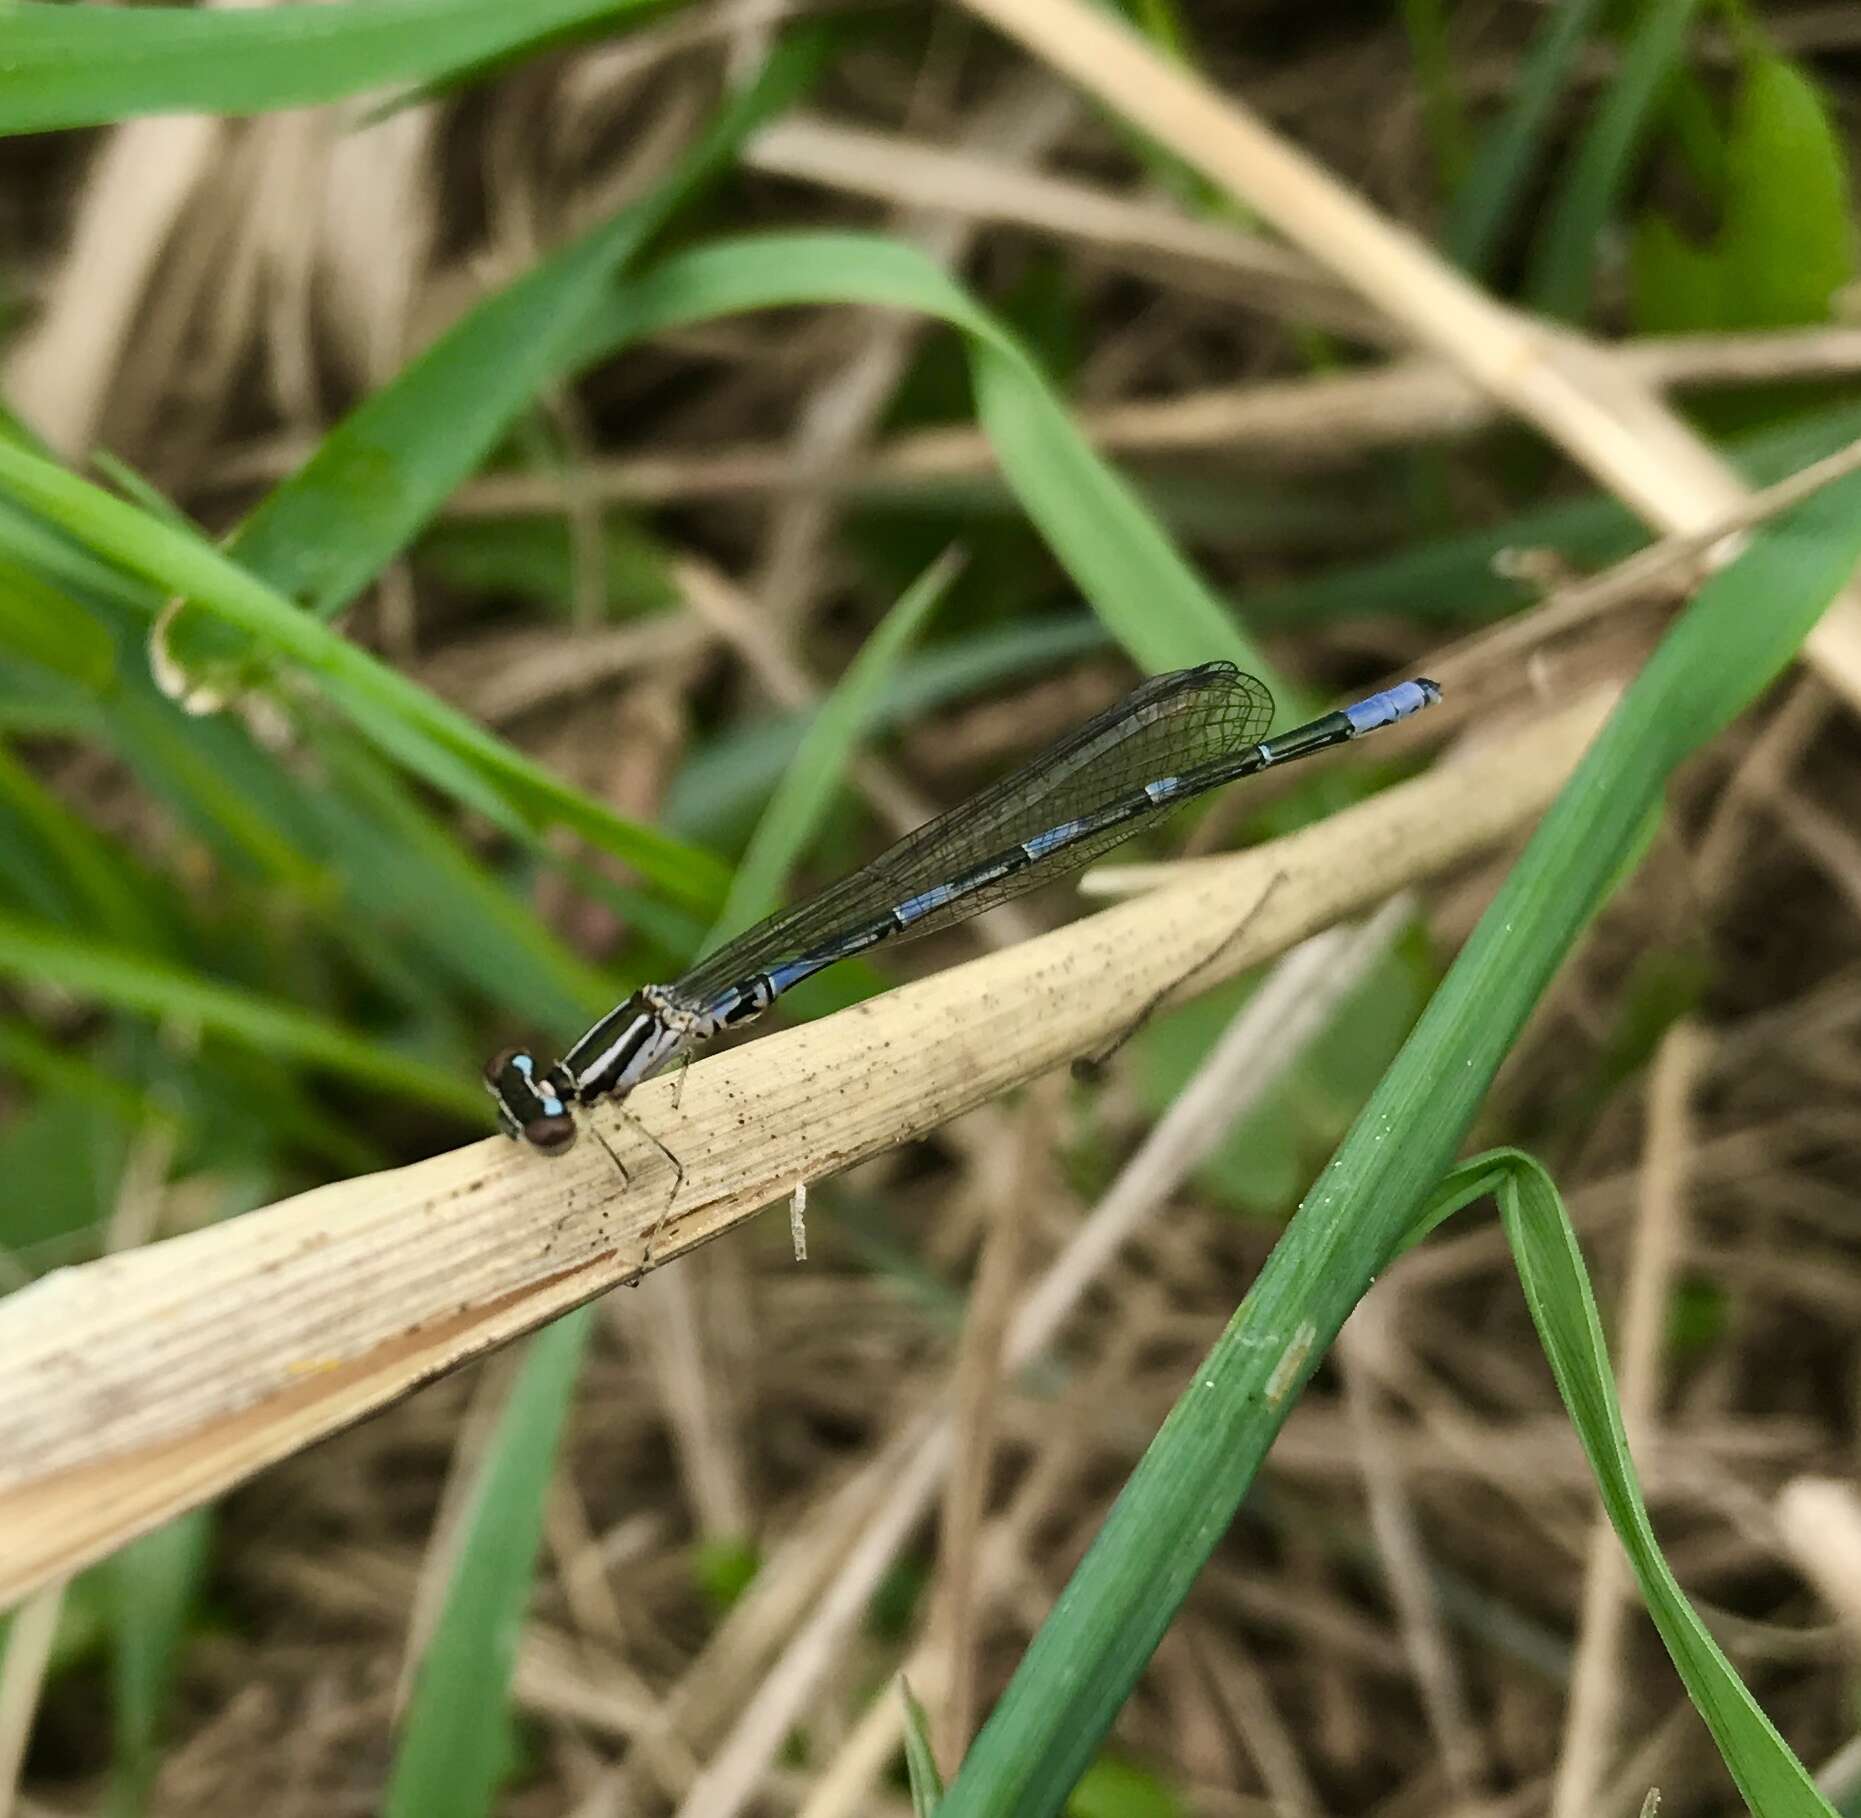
(44, 626)
(920, 1758)
(1503, 162)
(726, 777)
(154, 1584)
(184, 564)
(806, 793)
(453, 1743)
(113, 894)
(25, 1052)
(1593, 184)
(76, 66)
(1452, 580)
(132, 981)
(1563, 1308)
(1739, 632)
(1444, 111)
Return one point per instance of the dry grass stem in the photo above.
(1316, 421)
(1403, 1555)
(29, 1639)
(1664, 566)
(60, 373)
(1020, 125)
(1819, 1522)
(889, 167)
(976, 1392)
(670, 1329)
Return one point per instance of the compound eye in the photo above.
(553, 1133)
(504, 1058)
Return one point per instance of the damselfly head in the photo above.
(530, 1101)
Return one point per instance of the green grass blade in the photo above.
(1444, 108)
(27, 1054)
(132, 981)
(801, 802)
(1488, 199)
(422, 726)
(111, 891)
(728, 776)
(45, 626)
(920, 1759)
(1563, 1308)
(1733, 640)
(1135, 579)
(75, 66)
(454, 1742)
(1558, 283)
(153, 1584)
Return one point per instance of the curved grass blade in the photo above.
(425, 728)
(1558, 282)
(73, 66)
(1137, 582)
(1563, 1308)
(1488, 197)
(1743, 627)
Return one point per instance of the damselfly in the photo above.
(1175, 737)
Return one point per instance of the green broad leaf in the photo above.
(1785, 245)
(920, 1758)
(47, 627)
(1590, 191)
(1379, 1192)
(1102, 534)
(799, 807)
(76, 66)
(454, 1742)
(153, 1588)
(132, 981)
(386, 469)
